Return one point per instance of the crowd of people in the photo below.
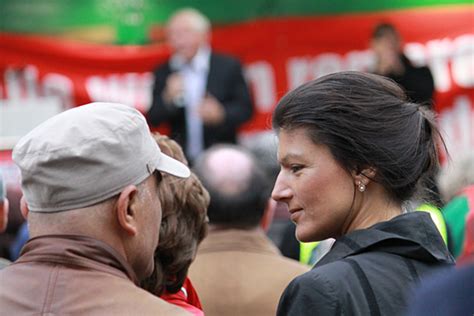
(128, 222)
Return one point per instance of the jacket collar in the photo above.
(254, 241)
(76, 250)
(412, 235)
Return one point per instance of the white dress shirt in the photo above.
(194, 76)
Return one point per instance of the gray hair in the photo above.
(456, 175)
(199, 21)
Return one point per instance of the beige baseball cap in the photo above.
(86, 155)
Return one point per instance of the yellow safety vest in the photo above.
(437, 218)
(307, 248)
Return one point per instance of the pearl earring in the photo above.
(361, 186)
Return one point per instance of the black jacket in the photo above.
(226, 83)
(370, 271)
(417, 81)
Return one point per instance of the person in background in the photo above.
(202, 95)
(4, 207)
(352, 151)
(238, 270)
(445, 294)
(183, 227)
(391, 62)
(93, 214)
(456, 183)
(419, 86)
(451, 293)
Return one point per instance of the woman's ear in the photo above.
(364, 176)
(125, 210)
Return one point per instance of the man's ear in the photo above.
(3, 214)
(24, 209)
(268, 214)
(125, 210)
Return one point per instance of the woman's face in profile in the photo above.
(317, 190)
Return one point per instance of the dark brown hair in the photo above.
(184, 205)
(366, 121)
(384, 29)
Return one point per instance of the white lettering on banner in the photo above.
(449, 60)
(302, 69)
(438, 54)
(457, 126)
(59, 85)
(361, 60)
(128, 88)
(325, 64)
(25, 82)
(463, 61)
(297, 70)
(416, 52)
(261, 78)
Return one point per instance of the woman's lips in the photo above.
(295, 214)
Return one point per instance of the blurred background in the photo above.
(56, 54)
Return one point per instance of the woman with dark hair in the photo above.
(184, 225)
(353, 151)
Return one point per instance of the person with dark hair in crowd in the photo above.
(391, 62)
(452, 293)
(419, 87)
(93, 215)
(238, 270)
(352, 151)
(4, 208)
(456, 183)
(202, 95)
(183, 227)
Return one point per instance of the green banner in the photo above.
(131, 21)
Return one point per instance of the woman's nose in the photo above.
(281, 191)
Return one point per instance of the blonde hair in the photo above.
(184, 224)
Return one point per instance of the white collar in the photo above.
(199, 62)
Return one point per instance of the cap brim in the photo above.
(173, 167)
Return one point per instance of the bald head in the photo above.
(187, 30)
(230, 170)
(192, 17)
(238, 186)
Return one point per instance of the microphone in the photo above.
(179, 99)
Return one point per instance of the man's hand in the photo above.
(211, 110)
(174, 89)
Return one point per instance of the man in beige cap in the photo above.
(90, 178)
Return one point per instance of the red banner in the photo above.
(278, 55)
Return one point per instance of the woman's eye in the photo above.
(296, 168)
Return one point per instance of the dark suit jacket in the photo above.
(417, 81)
(226, 83)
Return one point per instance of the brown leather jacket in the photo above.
(74, 275)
